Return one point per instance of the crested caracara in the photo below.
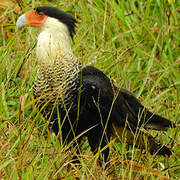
(81, 100)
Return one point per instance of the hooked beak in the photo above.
(31, 18)
(21, 22)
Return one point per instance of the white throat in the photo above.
(53, 40)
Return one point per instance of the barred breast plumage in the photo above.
(59, 80)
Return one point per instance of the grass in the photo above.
(136, 43)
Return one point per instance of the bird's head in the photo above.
(38, 17)
(57, 30)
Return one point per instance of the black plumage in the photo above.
(82, 100)
(100, 104)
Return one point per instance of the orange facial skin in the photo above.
(34, 19)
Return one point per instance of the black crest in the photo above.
(60, 15)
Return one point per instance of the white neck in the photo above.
(53, 40)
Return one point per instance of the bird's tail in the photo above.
(140, 140)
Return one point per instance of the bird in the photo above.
(80, 100)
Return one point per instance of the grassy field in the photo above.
(135, 43)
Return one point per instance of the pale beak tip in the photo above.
(21, 22)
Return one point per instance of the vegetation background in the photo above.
(136, 43)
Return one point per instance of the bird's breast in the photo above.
(58, 84)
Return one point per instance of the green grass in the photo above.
(136, 43)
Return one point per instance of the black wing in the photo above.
(119, 102)
(116, 107)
